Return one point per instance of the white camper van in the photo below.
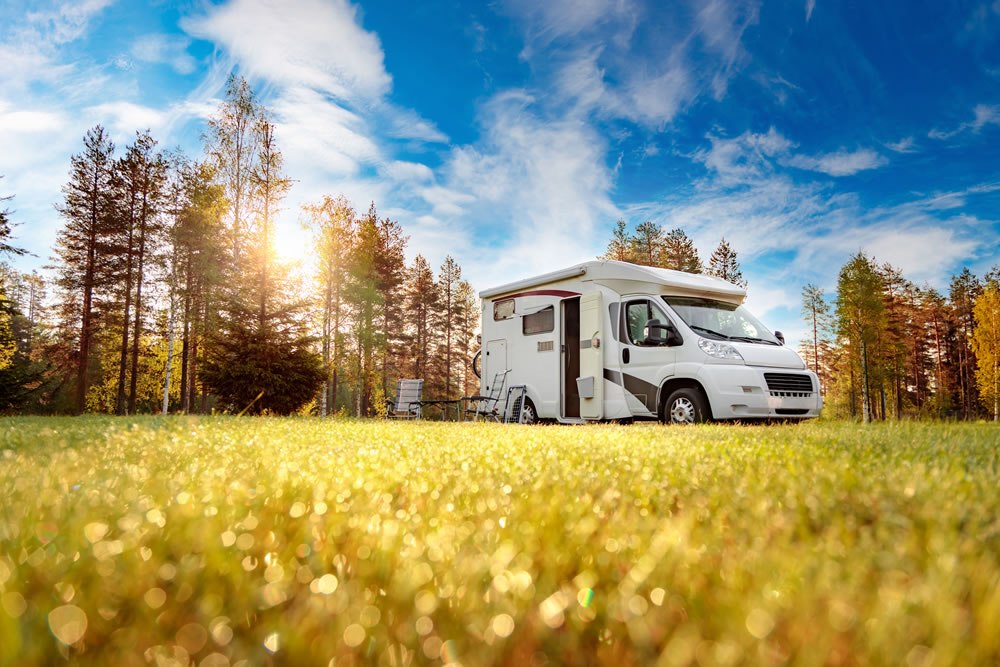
(611, 340)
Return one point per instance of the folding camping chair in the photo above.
(407, 404)
(488, 407)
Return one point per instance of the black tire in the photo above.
(530, 415)
(685, 406)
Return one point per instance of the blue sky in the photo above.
(513, 134)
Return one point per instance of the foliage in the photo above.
(218, 540)
(987, 347)
(265, 362)
(723, 264)
(680, 254)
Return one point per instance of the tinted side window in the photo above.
(543, 321)
(636, 316)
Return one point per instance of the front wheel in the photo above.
(685, 406)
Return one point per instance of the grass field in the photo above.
(224, 541)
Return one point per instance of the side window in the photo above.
(543, 321)
(503, 310)
(637, 313)
(636, 316)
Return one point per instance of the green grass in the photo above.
(255, 541)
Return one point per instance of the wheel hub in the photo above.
(682, 411)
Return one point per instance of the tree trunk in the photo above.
(137, 329)
(865, 390)
(88, 296)
(123, 360)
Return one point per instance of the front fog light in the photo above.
(719, 350)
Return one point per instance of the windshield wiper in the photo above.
(752, 339)
(710, 332)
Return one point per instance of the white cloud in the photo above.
(721, 24)
(408, 124)
(983, 115)
(839, 163)
(541, 184)
(68, 21)
(545, 22)
(810, 6)
(309, 43)
(166, 49)
(322, 135)
(905, 145)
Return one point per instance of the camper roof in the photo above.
(626, 278)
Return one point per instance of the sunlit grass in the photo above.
(247, 541)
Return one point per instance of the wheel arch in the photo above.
(674, 383)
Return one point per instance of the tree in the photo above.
(365, 299)
(450, 309)
(986, 343)
(390, 264)
(680, 254)
(468, 324)
(6, 231)
(647, 243)
(149, 227)
(964, 291)
(231, 143)
(723, 264)
(270, 186)
(423, 302)
(82, 244)
(859, 313)
(259, 370)
(816, 312)
(621, 245)
(333, 227)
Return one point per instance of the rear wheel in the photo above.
(528, 414)
(685, 406)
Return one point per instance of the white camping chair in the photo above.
(407, 404)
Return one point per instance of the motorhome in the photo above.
(608, 340)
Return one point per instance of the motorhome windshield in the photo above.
(720, 320)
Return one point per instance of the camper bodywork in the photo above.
(578, 340)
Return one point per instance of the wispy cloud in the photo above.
(905, 145)
(310, 43)
(166, 49)
(839, 163)
(983, 115)
(810, 6)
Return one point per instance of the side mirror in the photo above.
(658, 333)
(780, 336)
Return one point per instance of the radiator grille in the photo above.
(789, 385)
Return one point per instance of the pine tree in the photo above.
(332, 222)
(390, 263)
(816, 312)
(965, 289)
(621, 245)
(679, 253)
(986, 343)
(450, 310)
(647, 243)
(859, 314)
(5, 231)
(82, 245)
(723, 264)
(423, 303)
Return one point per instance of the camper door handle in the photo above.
(625, 356)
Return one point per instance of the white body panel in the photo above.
(570, 325)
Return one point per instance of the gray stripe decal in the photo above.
(644, 392)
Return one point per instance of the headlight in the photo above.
(719, 350)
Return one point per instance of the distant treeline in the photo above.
(885, 347)
(168, 294)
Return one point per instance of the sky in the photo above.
(513, 134)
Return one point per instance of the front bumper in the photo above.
(741, 392)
